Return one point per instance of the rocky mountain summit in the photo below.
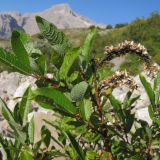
(7, 24)
(61, 15)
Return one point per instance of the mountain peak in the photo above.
(62, 7)
(61, 15)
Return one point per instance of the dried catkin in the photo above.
(122, 49)
(116, 80)
(125, 47)
(152, 70)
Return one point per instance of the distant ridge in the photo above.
(61, 15)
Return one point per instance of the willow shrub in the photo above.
(91, 123)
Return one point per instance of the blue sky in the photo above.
(101, 11)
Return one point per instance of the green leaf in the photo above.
(61, 49)
(157, 119)
(117, 107)
(149, 90)
(132, 100)
(91, 155)
(76, 146)
(95, 119)
(26, 155)
(3, 151)
(136, 158)
(55, 108)
(129, 120)
(86, 109)
(157, 81)
(25, 105)
(53, 35)
(78, 91)
(9, 117)
(73, 77)
(86, 49)
(16, 114)
(56, 153)
(58, 97)
(45, 136)
(24, 37)
(31, 130)
(68, 61)
(151, 111)
(42, 64)
(11, 59)
(155, 158)
(149, 132)
(128, 101)
(114, 102)
(37, 146)
(56, 141)
(31, 50)
(19, 49)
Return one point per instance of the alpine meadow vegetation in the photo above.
(91, 123)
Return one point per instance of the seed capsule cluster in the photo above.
(124, 48)
(116, 80)
(152, 70)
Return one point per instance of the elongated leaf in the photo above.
(76, 146)
(26, 155)
(53, 35)
(91, 154)
(25, 106)
(45, 136)
(19, 49)
(58, 97)
(31, 50)
(56, 154)
(37, 146)
(117, 106)
(128, 101)
(55, 108)
(16, 114)
(114, 102)
(71, 138)
(151, 111)
(132, 100)
(42, 64)
(24, 37)
(10, 59)
(86, 49)
(31, 130)
(68, 61)
(149, 90)
(73, 77)
(129, 120)
(2, 149)
(28, 45)
(157, 82)
(86, 109)
(56, 141)
(136, 158)
(78, 91)
(9, 117)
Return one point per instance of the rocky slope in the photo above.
(7, 24)
(61, 15)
